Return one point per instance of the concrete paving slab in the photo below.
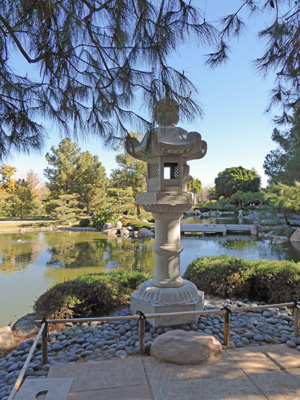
(140, 392)
(253, 361)
(221, 365)
(253, 373)
(278, 385)
(47, 389)
(101, 375)
(218, 388)
(284, 356)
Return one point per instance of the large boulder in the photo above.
(6, 337)
(185, 347)
(107, 225)
(295, 236)
(26, 325)
(144, 232)
(110, 231)
(124, 232)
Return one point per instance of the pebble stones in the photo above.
(119, 339)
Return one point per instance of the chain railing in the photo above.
(141, 317)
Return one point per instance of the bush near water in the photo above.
(232, 277)
(227, 277)
(90, 295)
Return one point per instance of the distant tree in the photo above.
(22, 202)
(235, 179)
(37, 188)
(131, 173)
(91, 182)
(63, 160)
(283, 164)
(195, 186)
(7, 188)
(122, 200)
(76, 173)
(7, 182)
(64, 208)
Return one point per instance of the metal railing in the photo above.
(141, 317)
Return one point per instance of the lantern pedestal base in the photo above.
(156, 300)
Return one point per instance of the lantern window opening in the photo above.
(171, 171)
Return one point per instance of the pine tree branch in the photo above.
(17, 42)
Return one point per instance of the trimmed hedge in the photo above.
(261, 280)
(89, 295)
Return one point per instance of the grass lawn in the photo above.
(15, 224)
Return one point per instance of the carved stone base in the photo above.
(156, 300)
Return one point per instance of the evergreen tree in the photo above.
(283, 164)
(64, 160)
(131, 174)
(285, 198)
(64, 208)
(90, 182)
(22, 202)
(122, 200)
(76, 173)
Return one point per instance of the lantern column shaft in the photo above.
(167, 250)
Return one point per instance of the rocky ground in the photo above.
(97, 341)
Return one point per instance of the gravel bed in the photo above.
(89, 342)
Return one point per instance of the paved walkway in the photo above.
(253, 373)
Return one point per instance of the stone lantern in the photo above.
(166, 150)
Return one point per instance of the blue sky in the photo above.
(234, 98)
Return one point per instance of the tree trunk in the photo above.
(138, 210)
(285, 216)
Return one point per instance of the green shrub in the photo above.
(129, 222)
(136, 224)
(261, 280)
(140, 224)
(103, 216)
(84, 223)
(89, 295)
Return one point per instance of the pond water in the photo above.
(31, 262)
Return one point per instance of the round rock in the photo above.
(26, 325)
(185, 347)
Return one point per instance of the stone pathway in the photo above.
(251, 373)
(118, 340)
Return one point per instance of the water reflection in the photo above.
(79, 249)
(18, 251)
(236, 246)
